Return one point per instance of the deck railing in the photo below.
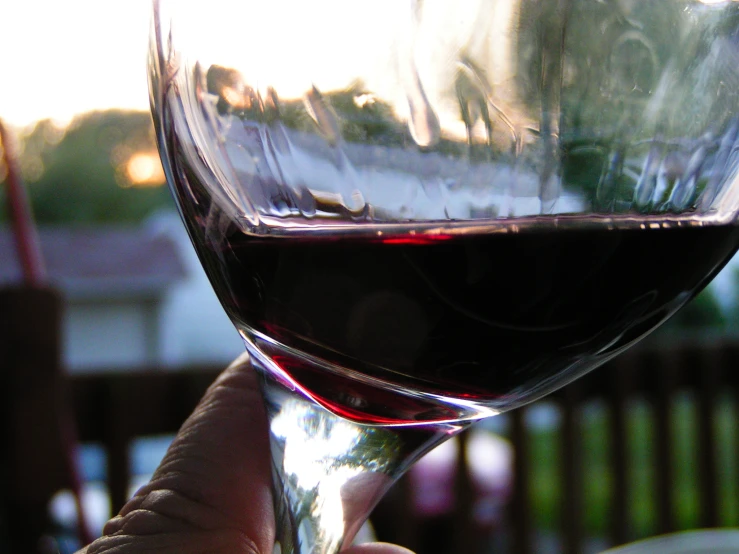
(114, 408)
(658, 378)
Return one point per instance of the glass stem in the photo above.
(330, 472)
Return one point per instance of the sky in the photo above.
(60, 58)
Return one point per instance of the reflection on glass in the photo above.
(499, 109)
(425, 212)
(326, 469)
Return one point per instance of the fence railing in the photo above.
(657, 378)
(115, 408)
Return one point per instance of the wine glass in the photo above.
(422, 213)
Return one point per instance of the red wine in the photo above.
(488, 319)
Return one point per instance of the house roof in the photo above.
(100, 261)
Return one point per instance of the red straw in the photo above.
(34, 275)
(24, 231)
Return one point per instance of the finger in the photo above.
(376, 548)
(216, 472)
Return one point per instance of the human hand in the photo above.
(212, 491)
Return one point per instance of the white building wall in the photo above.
(193, 326)
(109, 335)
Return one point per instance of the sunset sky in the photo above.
(62, 58)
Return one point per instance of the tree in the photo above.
(83, 174)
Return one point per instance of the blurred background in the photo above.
(74, 97)
(73, 94)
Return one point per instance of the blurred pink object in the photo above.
(490, 459)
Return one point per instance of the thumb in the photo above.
(376, 548)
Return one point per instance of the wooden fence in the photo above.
(115, 408)
(656, 378)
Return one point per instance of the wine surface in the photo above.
(488, 319)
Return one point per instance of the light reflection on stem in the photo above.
(330, 472)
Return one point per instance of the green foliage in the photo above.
(362, 117)
(546, 490)
(76, 175)
(703, 312)
(629, 46)
(365, 119)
